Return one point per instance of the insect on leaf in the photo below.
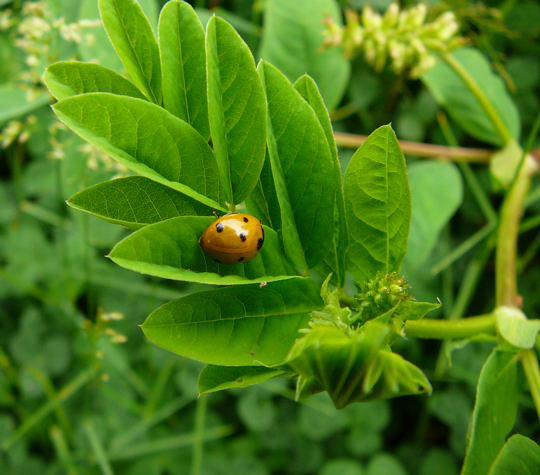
(170, 249)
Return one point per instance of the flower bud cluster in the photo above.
(402, 39)
(380, 294)
(36, 32)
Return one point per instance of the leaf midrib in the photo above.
(229, 319)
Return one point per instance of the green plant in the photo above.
(295, 311)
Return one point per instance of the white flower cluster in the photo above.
(401, 38)
(37, 32)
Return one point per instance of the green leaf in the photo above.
(293, 39)
(216, 378)
(170, 249)
(436, 194)
(133, 40)
(262, 200)
(519, 456)
(135, 201)
(377, 204)
(335, 261)
(236, 109)
(15, 102)
(146, 139)
(515, 328)
(71, 78)
(413, 310)
(183, 68)
(451, 92)
(353, 366)
(235, 326)
(303, 171)
(494, 412)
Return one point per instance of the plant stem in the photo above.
(478, 93)
(447, 329)
(62, 449)
(97, 447)
(65, 393)
(505, 262)
(425, 150)
(532, 372)
(198, 440)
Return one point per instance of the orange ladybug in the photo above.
(233, 238)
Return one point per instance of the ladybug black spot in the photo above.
(243, 237)
(217, 260)
(219, 227)
(246, 220)
(241, 259)
(260, 243)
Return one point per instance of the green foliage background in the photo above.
(137, 412)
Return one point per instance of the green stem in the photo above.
(505, 263)
(447, 329)
(478, 93)
(62, 449)
(532, 372)
(200, 416)
(65, 393)
(97, 447)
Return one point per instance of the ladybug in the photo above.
(233, 238)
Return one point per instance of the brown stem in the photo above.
(457, 154)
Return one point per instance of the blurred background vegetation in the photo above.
(80, 389)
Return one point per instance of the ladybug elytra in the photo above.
(233, 238)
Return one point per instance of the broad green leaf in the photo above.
(148, 140)
(216, 378)
(451, 92)
(236, 108)
(515, 328)
(436, 194)
(15, 102)
(262, 200)
(519, 456)
(135, 201)
(494, 412)
(133, 40)
(303, 171)
(377, 205)
(293, 39)
(183, 68)
(71, 78)
(170, 249)
(235, 326)
(335, 261)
